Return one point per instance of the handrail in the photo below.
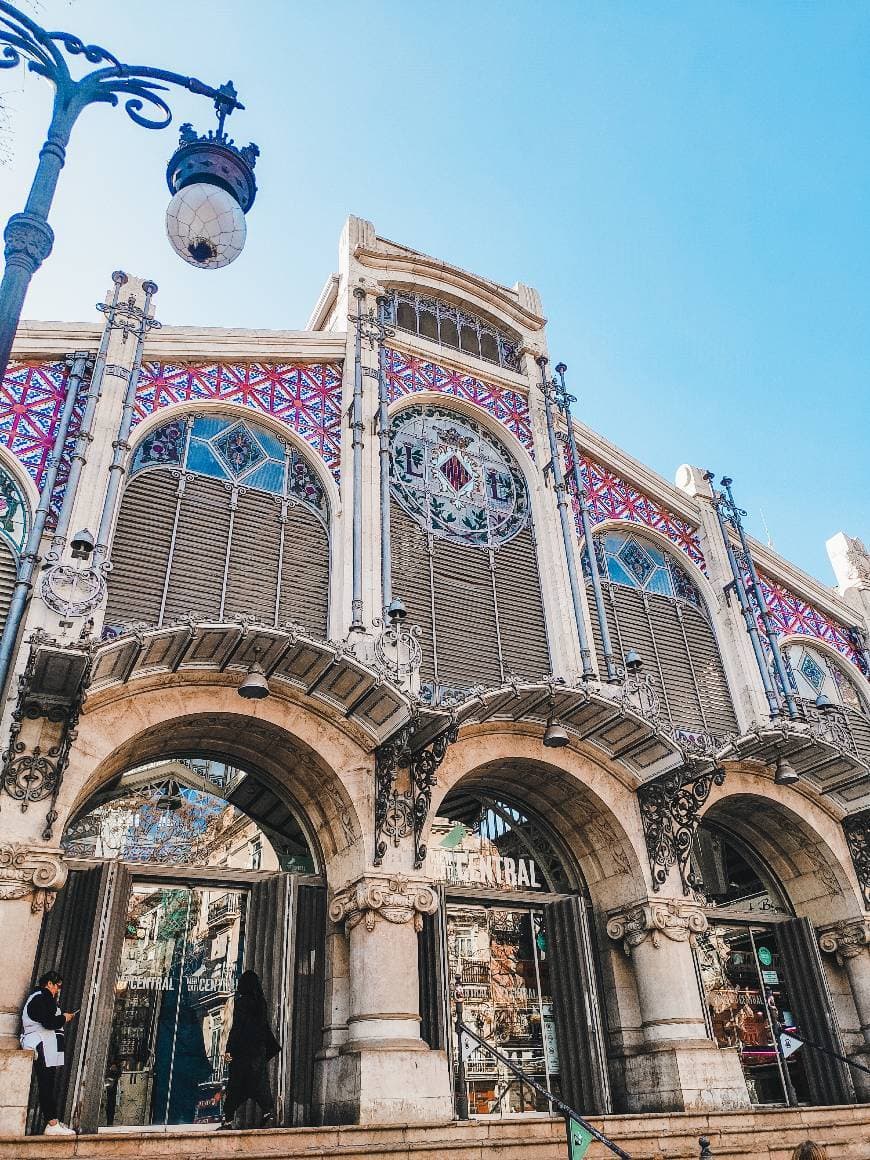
(565, 1109)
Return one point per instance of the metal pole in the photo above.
(356, 424)
(28, 236)
(384, 452)
(565, 400)
(565, 519)
(858, 638)
(83, 437)
(120, 447)
(459, 1026)
(745, 607)
(30, 556)
(769, 630)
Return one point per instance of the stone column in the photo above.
(849, 942)
(30, 876)
(679, 1067)
(384, 1072)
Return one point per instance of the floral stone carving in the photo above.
(31, 871)
(675, 920)
(847, 939)
(395, 899)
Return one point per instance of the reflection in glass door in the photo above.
(180, 959)
(500, 955)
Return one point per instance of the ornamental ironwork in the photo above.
(670, 808)
(402, 812)
(13, 512)
(454, 480)
(857, 830)
(452, 326)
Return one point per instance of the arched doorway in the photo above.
(513, 932)
(184, 871)
(760, 971)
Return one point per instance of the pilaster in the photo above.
(678, 1067)
(383, 1072)
(849, 943)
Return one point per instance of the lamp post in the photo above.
(207, 228)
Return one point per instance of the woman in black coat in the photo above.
(250, 1046)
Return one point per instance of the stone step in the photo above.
(761, 1134)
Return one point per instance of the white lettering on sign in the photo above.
(469, 869)
(170, 982)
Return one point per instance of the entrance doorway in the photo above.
(513, 931)
(183, 873)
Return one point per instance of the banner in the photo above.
(579, 1139)
(789, 1045)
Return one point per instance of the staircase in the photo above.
(758, 1134)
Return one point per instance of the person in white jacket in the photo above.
(42, 1028)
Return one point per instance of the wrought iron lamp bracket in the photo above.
(670, 809)
(856, 827)
(403, 813)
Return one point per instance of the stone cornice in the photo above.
(393, 898)
(31, 871)
(673, 919)
(847, 939)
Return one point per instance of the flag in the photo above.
(789, 1044)
(579, 1139)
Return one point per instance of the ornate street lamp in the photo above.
(211, 180)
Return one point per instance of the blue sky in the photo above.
(686, 183)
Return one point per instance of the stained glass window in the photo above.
(813, 674)
(635, 562)
(454, 480)
(243, 453)
(13, 512)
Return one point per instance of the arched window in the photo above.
(654, 607)
(446, 324)
(13, 532)
(220, 517)
(463, 551)
(814, 674)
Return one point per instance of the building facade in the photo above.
(539, 726)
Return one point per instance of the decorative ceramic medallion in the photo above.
(455, 480)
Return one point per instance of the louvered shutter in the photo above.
(305, 572)
(520, 608)
(253, 559)
(140, 552)
(410, 580)
(466, 630)
(196, 574)
(679, 648)
(8, 574)
(859, 727)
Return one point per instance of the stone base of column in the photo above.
(16, 1068)
(374, 1086)
(685, 1077)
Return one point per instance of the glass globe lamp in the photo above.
(212, 185)
(206, 226)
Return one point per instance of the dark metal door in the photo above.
(432, 974)
(579, 1021)
(829, 1080)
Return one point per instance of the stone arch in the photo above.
(798, 838)
(25, 488)
(591, 810)
(321, 770)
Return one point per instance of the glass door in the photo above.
(181, 956)
(500, 955)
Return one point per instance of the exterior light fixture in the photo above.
(396, 610)
(213, 187)
(555, 735)
(82, 544)
(824, 703)
(633, 662)
(785, 773)
(255, 686)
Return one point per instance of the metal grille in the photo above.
(679, 648)
(190, 544)
(441, 322)
(480, 610)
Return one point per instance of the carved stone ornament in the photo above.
(847, 939)
(394, 899)
(677, 921)
(31, 871)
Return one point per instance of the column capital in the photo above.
(846, 939)
(31, 871)
(393, 898)
(675, 919)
